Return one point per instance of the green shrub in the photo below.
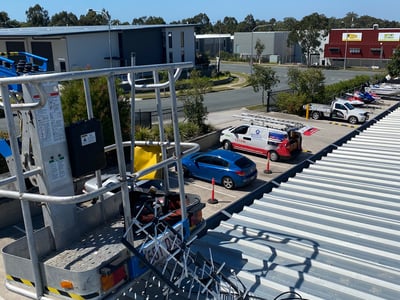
(291, 103)
(189, 130)
(145, 134)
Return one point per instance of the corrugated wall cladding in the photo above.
(330, 232)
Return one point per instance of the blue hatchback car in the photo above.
(229, 169)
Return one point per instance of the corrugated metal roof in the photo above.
(58, 30)
(330, 232)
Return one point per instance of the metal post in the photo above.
(106, 15)
(219, 50)
(251, 52)
(345, 52)
(268, 100)
(133, 113)
(109, 40)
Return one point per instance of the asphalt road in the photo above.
(237, 98)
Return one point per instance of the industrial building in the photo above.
(70, 48)
(276, 48)
(355, 47)
(214, 44)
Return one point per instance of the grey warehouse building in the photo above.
(71, 48)
(276, 48)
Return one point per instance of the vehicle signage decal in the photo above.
(258, 150)
(257, 134)
(275, 137)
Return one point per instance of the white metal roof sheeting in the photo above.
(330, 232)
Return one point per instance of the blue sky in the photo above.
(176, 10)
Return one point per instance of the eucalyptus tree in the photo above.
(308, 33)
(309, 83)
(93, 17)
(4, 19)
(192, 97)
(229, 25)
(259, 47)
(201, 19)
(247, 24)
(264, 79)
(64, 18)
(37, 16)
(393, 66)
(148, 20)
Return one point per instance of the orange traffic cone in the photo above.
(212, 200)
(268, 170)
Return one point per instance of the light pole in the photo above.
(345, 51)
(108, 17)
(381, 55)
(251, 46)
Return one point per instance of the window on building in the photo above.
(182, 55)
(355, 50)
(170, 39)
(182, 39)
(376, 50)
(170, 57)
(334, 50)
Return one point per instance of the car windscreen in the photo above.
(244, 162)
(349, 106)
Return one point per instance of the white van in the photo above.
(262, 140)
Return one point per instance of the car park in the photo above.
(227, 168)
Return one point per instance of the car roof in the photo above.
(228, 154)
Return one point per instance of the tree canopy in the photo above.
(308, 34)
(263, 78)
(393, 66)
(38, 16)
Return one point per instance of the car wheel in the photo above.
(353, 120)
(315, 115)
(227, 145)
(228, 183)
(186, 172)
(273, 156)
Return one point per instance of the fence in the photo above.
(149, 118)
(272, 98)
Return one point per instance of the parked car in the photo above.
(227, 168)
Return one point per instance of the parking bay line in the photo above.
(215, 190)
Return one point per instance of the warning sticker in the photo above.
(88, 138)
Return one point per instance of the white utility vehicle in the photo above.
(263, 135)
(339, 109)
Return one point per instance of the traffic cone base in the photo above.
(212, 201)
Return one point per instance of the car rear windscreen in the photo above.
(244, 162)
